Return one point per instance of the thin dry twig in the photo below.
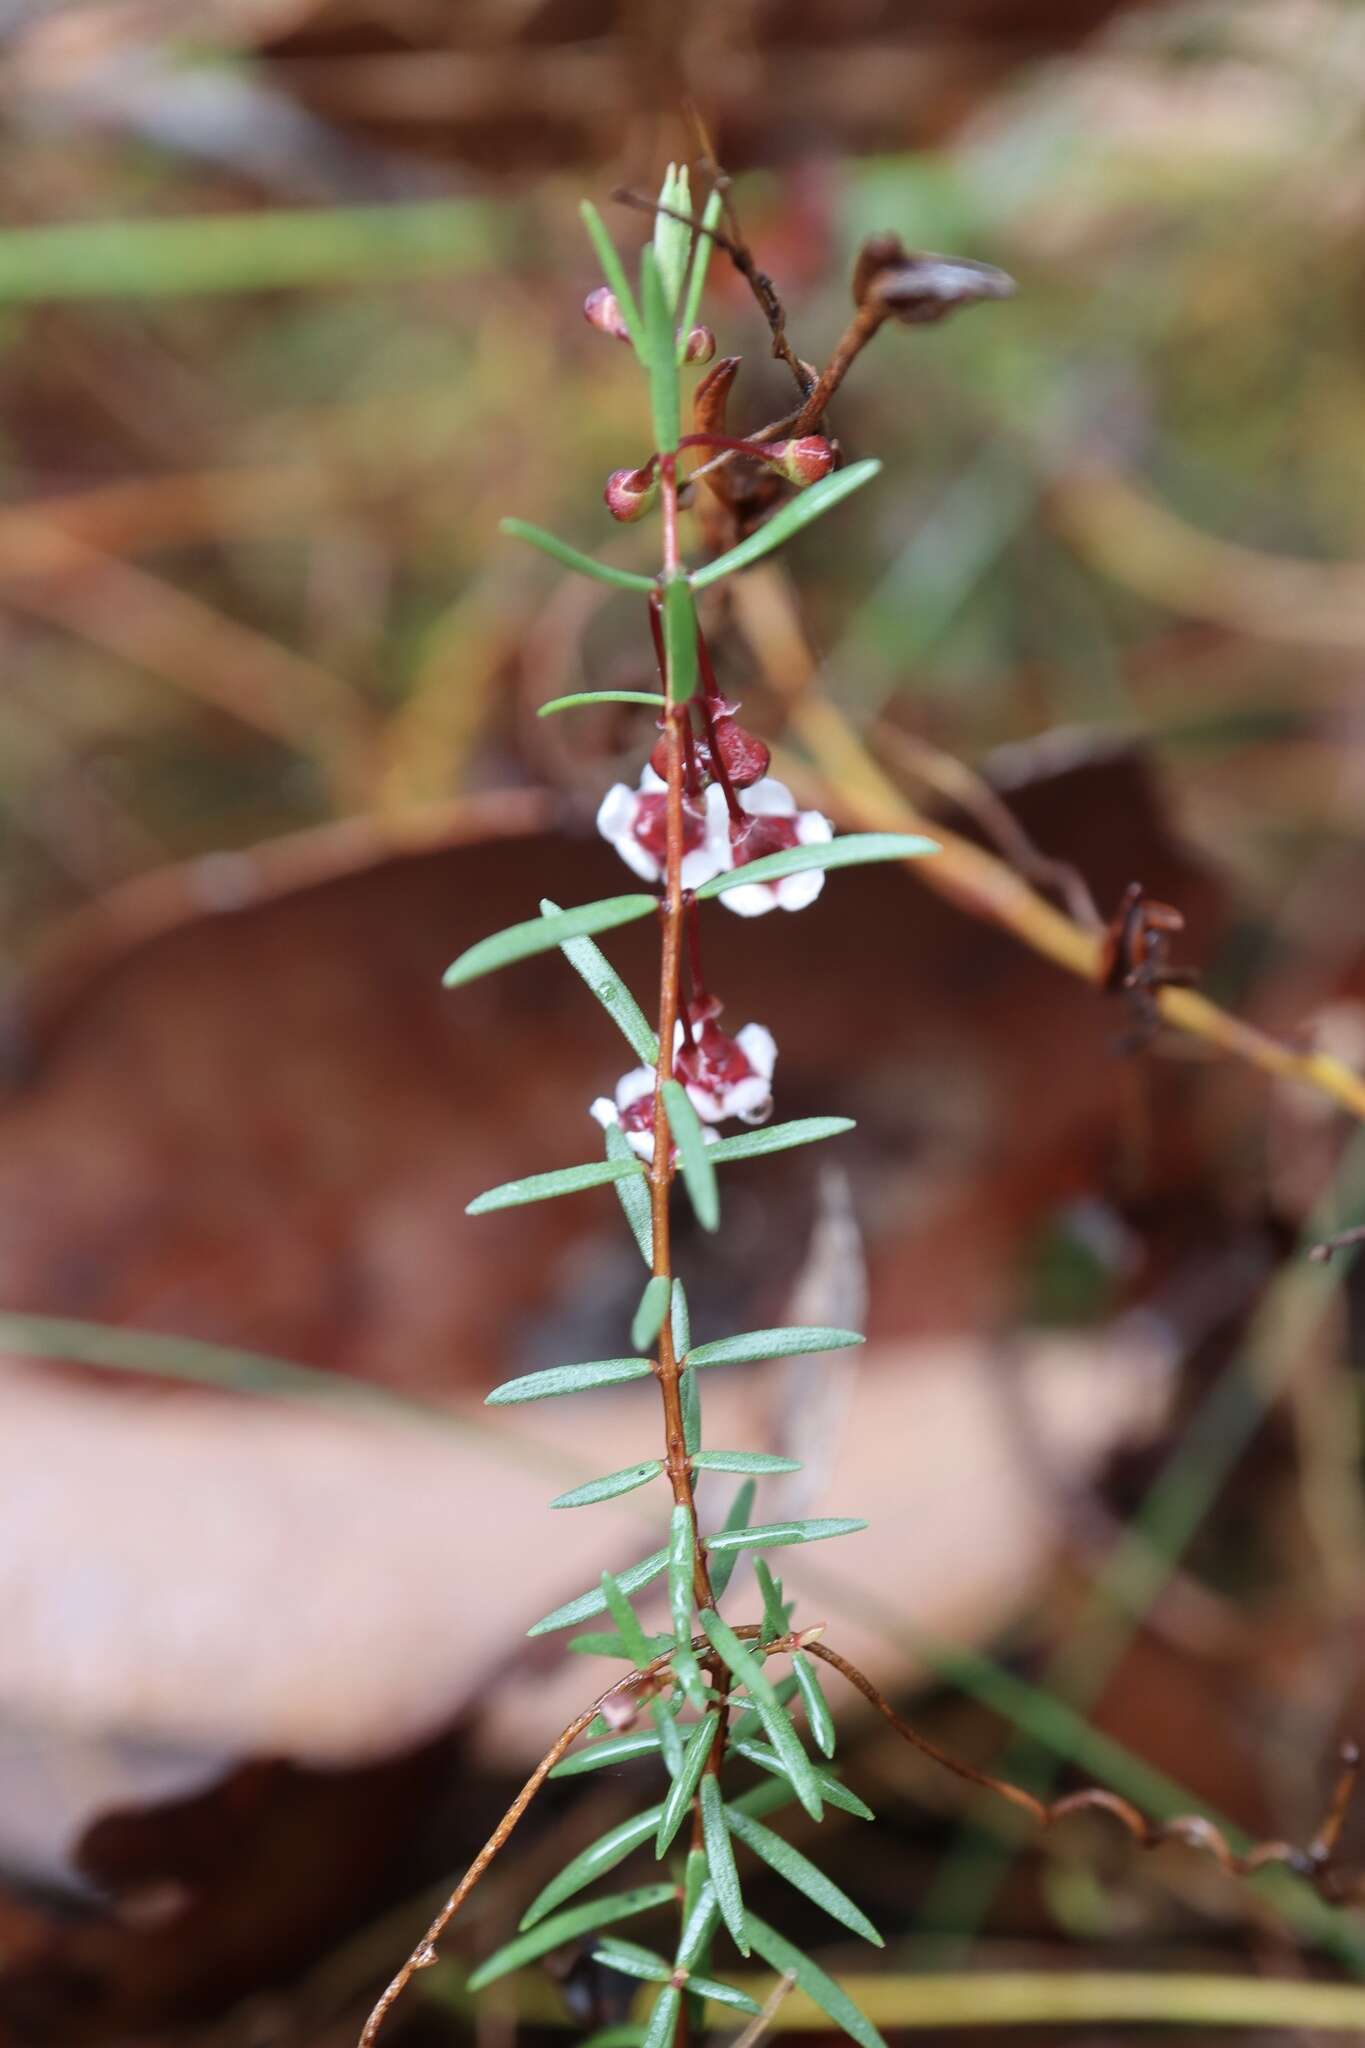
(761, 2021)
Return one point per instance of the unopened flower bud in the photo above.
(630, 493)
(803, 461)
(600, 310)
(746, 758)
(701, 346)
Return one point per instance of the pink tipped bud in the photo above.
(601, 311)
(630, 493)
(701, 346)
(803, 461)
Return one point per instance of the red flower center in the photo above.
(638, 1115)
(763, 835)
(650, 825)
(713, 1061)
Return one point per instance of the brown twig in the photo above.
(1195, 1831)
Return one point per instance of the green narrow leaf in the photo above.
(543, 1187)
(804, 1130)
(591, 1863)
(663, 1714)
(803, 1874)
(664, 2019)
(680, 640)
(743, 1461)
(787, 520)
(615, 2037)
(634, 1961)
(818, 1715)
(697, 1171)
(577, 697)
(681, 1555)
(589, 961)
(777, 1727)
(701, 260)
(695, 1752)
(660, 350)
(781, 1956)
(610, 1485)
(772, 1535)
(833, 1789)
(671, 237)
(574, 558)
(720, 1861)
(699, 1910)
(568, 1379)
(649, 1316)
(543, 934)
(689, 1394)
(853, 850)
(616, 1749)
(564, 1927)
(681, 1320)
(607, 1643)
(747, 1724)
(721, 1994)
(788, 1343)
(588, 1604)
(626, 1619)
(774, 1609)
(632, 1191)
(614, 271)
(721, 1569)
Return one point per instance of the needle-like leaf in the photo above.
(697, 1171)
(543, 934)
(568, 1379)
(610, 1485)
(720, 1861)
(853, 850)
(568, 1926)
(787, 520)
(573, 558)
(802, 1873)
(589, 961)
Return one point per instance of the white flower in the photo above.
(727, 1076)
(633, 1105)
(633, 1110)
(636, 823)
(778, 825)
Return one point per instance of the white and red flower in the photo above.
(636, 823)
(724, 1077)
(776, 825)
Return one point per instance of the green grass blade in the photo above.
(613, 1749)
(720, 1862)
(853, 850)
(649, 1316)
(818, 1715)
(801, 1873)
(788, 520)
(577, 697)
(589, 961)
(781, 1956)
(776, 1724)
(543, 934)
(588, 1604)
(573, 558)
(784, 1343)
(593, 1862)
(773, 1535)
(567, 1379)
(614, 271)
(561, 1928)
(610, 1486)
(803, 1130)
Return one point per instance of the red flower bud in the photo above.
(701, 346)
(601, 311)
(803, 461)
(743, 756)
(629, 493)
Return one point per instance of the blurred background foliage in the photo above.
(289, 317)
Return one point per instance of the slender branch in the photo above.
(1195, 1831)
(424, 1954)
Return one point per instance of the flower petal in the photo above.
(769, 799)
(750, 899)
(797, 892)
(759, 1048)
